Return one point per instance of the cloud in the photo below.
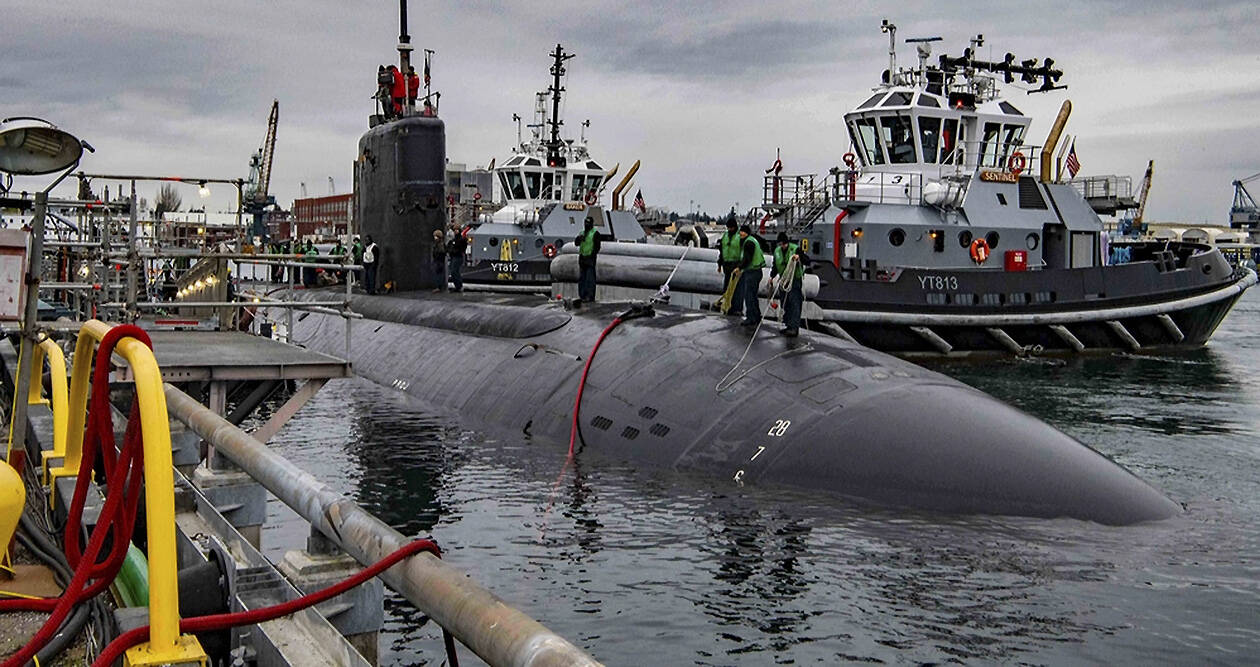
(703, 92)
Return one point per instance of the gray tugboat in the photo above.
(551, 185)
(946, 233)
(676, 389)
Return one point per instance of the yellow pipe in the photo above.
(159, 480)
(1053, 139)
(616, 202)
(60, 400)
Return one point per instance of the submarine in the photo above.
(668, 388)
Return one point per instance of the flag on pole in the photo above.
(638, 201)
(1073, 164)
(426, 69)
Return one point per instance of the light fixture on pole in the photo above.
(32, 147)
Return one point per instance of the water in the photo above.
(639, 566)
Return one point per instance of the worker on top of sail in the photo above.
(588, 250)
(413, 85)
(791, 286)
(398, 89)
(752, 261)
(384, 84)
(728, 261)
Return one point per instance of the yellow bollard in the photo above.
(12, 499)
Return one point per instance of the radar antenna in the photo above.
(554, 145)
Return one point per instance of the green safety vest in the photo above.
(759, 258)
(781, 258)
(729, 243)
(588, 244)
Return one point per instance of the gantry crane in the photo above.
(1244, 213)
(255, 193)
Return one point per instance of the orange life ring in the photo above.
(979, 251)
(549, 251)
(591, 198)
(1017, 163)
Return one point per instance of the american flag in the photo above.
(426, 69)
(638, 201)
(1073, 164)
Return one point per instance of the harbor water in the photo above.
(642, 566)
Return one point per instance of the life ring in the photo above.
(591, 198)
(979, 251)
(549, 251)
(850, 160)
(1016, 164)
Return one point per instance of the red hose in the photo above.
(577, 403)
(129, 639)
(117, 516)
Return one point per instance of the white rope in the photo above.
(723, 384)
(662, 294)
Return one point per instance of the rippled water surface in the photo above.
(642, 566)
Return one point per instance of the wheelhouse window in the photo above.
(950, 141)
(926, 100)
(547, 192)
(869, 145)
(897, 99)
(578, 191)
(513, 185)
(532, 181)
(929, 137)
(1013, 137)
(870, 102)
(898, 139)
(989, 148)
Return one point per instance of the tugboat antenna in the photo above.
(554, 144)
(891, 29)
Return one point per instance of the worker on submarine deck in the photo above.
(728, 261)
(790, 285)
(588, 251)
(751, 263)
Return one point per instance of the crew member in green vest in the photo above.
(790, 285)
(752, 261)
(588, 250)
(312, 256)
(728, 261)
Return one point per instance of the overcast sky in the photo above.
(702, 92)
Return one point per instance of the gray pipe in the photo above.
(626, 270)
(497, 633)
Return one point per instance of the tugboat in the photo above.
(551, 185)
(945, 233)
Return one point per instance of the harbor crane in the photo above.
(1244, 214)
(256, 199)
(1144, 190)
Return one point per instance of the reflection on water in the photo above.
(644, 566)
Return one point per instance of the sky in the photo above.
(703, 92)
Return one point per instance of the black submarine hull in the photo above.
(816, 412)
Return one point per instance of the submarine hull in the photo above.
(814, 412)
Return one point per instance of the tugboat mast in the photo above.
(554, 144)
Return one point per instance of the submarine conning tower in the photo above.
(400, 176)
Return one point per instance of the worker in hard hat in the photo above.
(588, 251)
